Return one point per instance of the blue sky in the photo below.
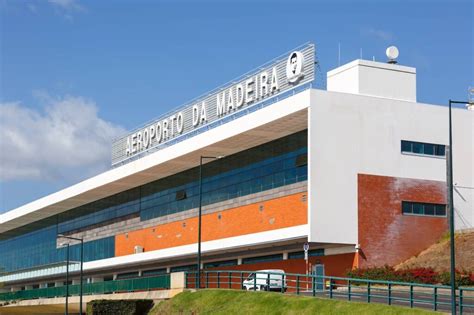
(75, 74)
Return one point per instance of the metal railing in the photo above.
(436, 297)
(105, 287)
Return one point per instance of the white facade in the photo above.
(352, 133)
(374, 79)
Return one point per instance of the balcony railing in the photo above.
(105, 287)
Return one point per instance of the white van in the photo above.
(266, 280)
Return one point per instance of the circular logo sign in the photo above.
(294, 67)
(305, 247)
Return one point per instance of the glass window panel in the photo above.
(440, 150)
(253, 260)
(417, 208)
(407, 207)
(440, 210)
(417, 147)
(429, 209)
(429, 149)
(216, 264)
(406, 146)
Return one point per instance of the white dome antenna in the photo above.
(392, 54)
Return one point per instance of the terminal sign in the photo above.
(282, 75)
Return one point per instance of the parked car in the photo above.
(266, 280)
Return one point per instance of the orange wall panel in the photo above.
(276, 213)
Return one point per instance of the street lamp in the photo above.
(82, 263)
(198, 285)
(67, 274)
(469, 106)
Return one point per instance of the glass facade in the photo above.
(268, 166)
(274, 164)
(38, 248)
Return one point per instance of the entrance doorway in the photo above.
(318, 270)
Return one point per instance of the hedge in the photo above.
(119, 307)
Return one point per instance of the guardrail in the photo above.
(436, 297)
(105, 287)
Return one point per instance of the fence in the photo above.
(436, 297)
(105, 287)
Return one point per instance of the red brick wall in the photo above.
(334, 265)
(385, 235)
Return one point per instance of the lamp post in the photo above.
(82, 263)
(198, 284)
(67, 275)
(469, 106)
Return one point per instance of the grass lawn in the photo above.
(241, 302)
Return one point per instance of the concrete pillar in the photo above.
(28, 287)
(76, 281)
(14, 289)
(168, 269)
(58, 283)
(140, 273)
(285, 255)
(177, 283)
(115, 276)
(43, 285)
(239, 261)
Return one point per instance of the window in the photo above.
(301, 160)
(127, 275)
(183, 268)
(224, 263)
(254, 260)
(180, 195)
(424, 209)
(423, 148)
(154, 272)
(311, 253)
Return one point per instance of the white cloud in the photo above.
(59, 141)
(70, 5)
(66, 8)
(378, 33)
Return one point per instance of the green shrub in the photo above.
(416, 275)
(119, 307)
(462, 279)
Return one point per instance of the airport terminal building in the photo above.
(358, 171)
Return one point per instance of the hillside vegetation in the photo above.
(437, 255)
(241, 302)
